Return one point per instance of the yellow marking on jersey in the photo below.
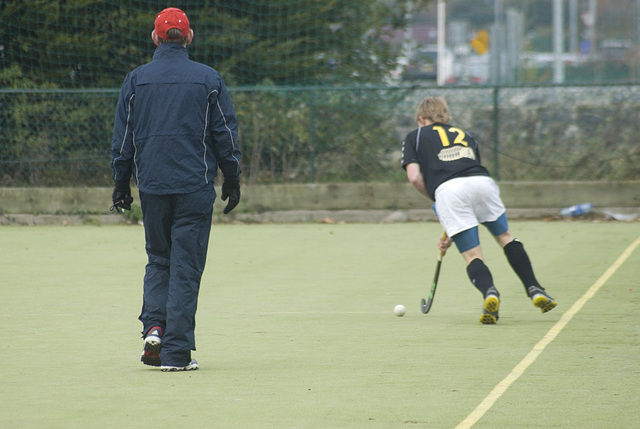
(444, 137)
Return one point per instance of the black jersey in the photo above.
(443, 153)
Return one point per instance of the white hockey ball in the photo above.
(399, 310)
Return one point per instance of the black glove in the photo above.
(121, 197)
(231, 189)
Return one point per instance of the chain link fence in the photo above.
(324, 134)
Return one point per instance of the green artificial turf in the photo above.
(295, 329)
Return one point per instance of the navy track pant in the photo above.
(177, 228)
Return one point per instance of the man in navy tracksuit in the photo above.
(174, 127)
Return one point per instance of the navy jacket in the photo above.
(174, 125)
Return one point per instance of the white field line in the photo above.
(519, 369)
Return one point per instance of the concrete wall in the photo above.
(333, 197)
(393, 196)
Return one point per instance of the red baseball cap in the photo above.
(171, 18)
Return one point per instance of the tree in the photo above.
(88, 43)
(313, 41)
(50, 137)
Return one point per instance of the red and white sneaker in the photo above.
(152, 347)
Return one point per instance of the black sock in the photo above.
(519, 261)
(480, 275)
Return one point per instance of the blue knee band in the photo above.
(498, 226)
(467, 239)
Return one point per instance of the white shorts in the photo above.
(465, 202)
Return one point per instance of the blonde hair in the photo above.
(434, 109)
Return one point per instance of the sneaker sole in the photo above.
(190, 367)
(488, 319)
(152, 344)
(176, 369)
(492, 304)
(543, 303)
(150, 358)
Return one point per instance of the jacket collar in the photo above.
(170, 51)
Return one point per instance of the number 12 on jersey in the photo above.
(444, 136)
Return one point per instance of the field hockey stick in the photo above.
(425, 304)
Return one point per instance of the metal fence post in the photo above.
(496, 133)
(312, 139)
